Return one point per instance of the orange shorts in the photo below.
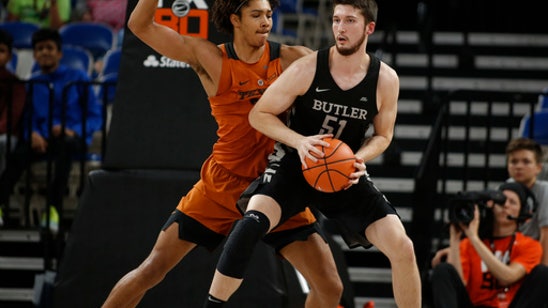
(212, 200)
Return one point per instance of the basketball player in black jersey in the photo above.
(339, 92)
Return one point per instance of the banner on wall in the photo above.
(161, 116)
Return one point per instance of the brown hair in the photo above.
(368, 8)
(525, 144)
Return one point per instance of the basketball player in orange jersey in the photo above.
(234, 75)
(340, 90)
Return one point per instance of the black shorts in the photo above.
(193, 231)
(352, 210)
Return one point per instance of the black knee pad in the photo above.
(241, 243)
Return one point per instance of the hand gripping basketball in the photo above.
(330, 173)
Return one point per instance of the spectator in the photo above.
(110, 12)
(524, 164)
(45, 13)
(498, 269)
(10, 90)
(59, 145)
(12, 97)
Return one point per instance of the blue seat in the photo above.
(97, 38)
(21, 32)
(294, 19)
(120, 38)
(77, 57)
(12, 64)
(543, 100)
(74, 57)
(107, 90)
(111, 62)
(540, 127)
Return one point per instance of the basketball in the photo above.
(331, 172)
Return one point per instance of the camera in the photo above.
(461, 208)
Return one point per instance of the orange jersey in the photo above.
(240, 148)
(481, 285)
(240, 154)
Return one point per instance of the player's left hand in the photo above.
(354, 177)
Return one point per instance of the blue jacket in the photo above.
(59, 79)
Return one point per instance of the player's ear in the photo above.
(370, 28)
(235, 20)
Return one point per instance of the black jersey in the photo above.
(327, 109)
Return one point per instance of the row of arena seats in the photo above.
(84, 43)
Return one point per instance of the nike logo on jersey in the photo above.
(321, 90)
(243, 82)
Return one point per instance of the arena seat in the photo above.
(109, 86)
(12, 64)
(21, 32)
(96, 37)
(540, 127)
(111, 62)
(543, 100)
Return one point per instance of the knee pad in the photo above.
(241, 243)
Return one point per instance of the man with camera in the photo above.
(495, 265)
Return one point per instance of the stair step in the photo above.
(370, 274)
(32, 236)
(21, 263)
(16, 295)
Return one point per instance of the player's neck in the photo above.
(356, 62)
(246, 52)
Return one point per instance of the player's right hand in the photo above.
(310, 147)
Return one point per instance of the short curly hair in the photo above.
(222, 9)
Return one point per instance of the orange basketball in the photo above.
(331, 172)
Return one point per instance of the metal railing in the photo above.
(25, 131)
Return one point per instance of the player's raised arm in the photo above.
(197, 52)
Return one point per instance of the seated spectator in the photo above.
(12, 97)
(45, 13)
(110, 12)
(497, 269)
(64, 140)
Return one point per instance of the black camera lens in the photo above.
(462, 212)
